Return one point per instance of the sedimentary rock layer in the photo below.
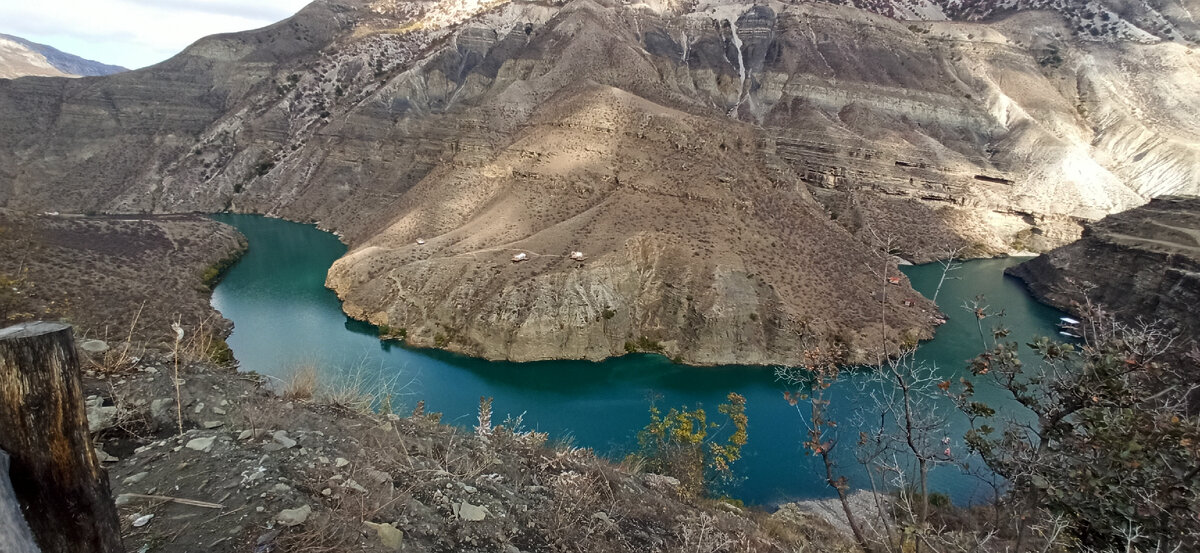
(726, 168)
(1141, 264)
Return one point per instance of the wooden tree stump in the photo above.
(63, 492)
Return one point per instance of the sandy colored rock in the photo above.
(391, 538)
(294, 517)
(470, 513)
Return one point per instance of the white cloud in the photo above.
(135, 33)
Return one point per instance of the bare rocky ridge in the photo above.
(1140, 264)
(694, 152)
(1091, 20)
(114, 278)
(20, 58)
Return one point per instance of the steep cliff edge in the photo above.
(1143, 263)
(723, 166)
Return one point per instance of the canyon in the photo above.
(740, 178)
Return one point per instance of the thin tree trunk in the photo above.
(56, 477)
(851, 518)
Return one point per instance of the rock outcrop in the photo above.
(1143, 263)
(724, 166)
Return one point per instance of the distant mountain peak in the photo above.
(20, 58)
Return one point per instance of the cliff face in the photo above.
(1143, 263)
(694, 153)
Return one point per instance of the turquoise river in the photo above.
(285, 317)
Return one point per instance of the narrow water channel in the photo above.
(285, 317)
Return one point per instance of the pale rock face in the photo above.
(697, 153)
(17, 60)
(22, 58)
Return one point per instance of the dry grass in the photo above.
(356, 389)
(301, 384)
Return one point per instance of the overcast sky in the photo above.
(134, 33)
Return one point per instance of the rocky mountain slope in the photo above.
(722, 166)
(20, 58)
(114, 277)
(1094, 20)
(1140, 264)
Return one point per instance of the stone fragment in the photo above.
(104, 457)
(293, 517)
(100, 417)
(281, 437)
(379, 477)
(468, 512)
(662, 482)
(135, 478)
(94, 346)
(391, 538)
(267, 538)
(213, 424)
(201, 444)
(162, 411)
(340, 462)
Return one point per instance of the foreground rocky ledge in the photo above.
(258, 472)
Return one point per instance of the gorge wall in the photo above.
(1143, 264)
(728, 169)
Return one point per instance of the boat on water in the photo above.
(1069, 327)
